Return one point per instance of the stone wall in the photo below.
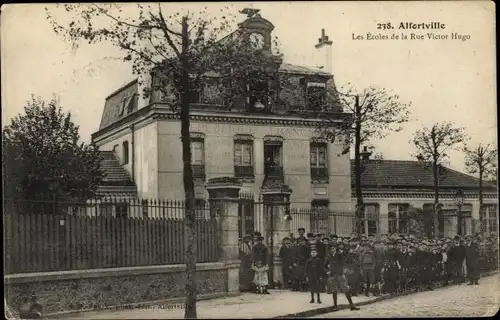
(84, 290)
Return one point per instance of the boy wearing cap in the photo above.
(367, 261)
(335, 266)
(353, 266)
(315, 268)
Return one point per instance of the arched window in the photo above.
(125, 152)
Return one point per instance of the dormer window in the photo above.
(196, 95)
(316, 95)
(258, 95)
(126, 105)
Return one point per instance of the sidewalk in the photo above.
(279, 304)
(246, 305)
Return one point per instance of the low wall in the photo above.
(81, 290)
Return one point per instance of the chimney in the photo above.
(365, 155)
(324, 52)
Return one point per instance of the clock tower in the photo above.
(257, 29)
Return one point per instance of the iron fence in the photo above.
(103, 233)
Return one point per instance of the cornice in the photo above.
(159, 111)
(420, 195)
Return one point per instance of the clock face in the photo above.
(257, 40)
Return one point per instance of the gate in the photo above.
(246, 217)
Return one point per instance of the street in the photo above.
(453, 301)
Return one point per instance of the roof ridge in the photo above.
(122, 88)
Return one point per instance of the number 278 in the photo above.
(384, 26)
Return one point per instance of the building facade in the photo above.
(264, 135)
(394, 190)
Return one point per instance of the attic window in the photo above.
(126, 104)
(316, 95)
(196, 94)
(258, 95)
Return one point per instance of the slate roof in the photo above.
(291, 68)
(410, 174)
(116, 179)
(114, 103)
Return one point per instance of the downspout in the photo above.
(132, 130)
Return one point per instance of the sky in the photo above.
(445, 80)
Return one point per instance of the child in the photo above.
(260, 277)
(367, 261)
(335, 264)
(315, 269)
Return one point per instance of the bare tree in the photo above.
(374, 113)
(432, 145)
(481, 160)
(177, 50)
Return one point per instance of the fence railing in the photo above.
(45, 241)
(322, 221)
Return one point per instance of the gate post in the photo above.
(223, 194)
(276, 201)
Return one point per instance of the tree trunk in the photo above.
(189, 226)
(357, 169)
(436, 198)
(481, 170)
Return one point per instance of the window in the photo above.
(126, 105)
(115, 148)
(196, 94)
(492, 218)
(245, 217)
(370, 219)
(198, 158)
(398, 218)
(319, 216)
(125, 152)
(121, 210)
(273, 167)
(258, 95)
(318, 161)
(316, 95)
(105, 210)
(483, 217)
(243, 155)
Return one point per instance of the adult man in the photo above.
(286, 256)
(246, 273)
(456, 256)
(472, 259)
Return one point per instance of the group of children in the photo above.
(377, 265)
